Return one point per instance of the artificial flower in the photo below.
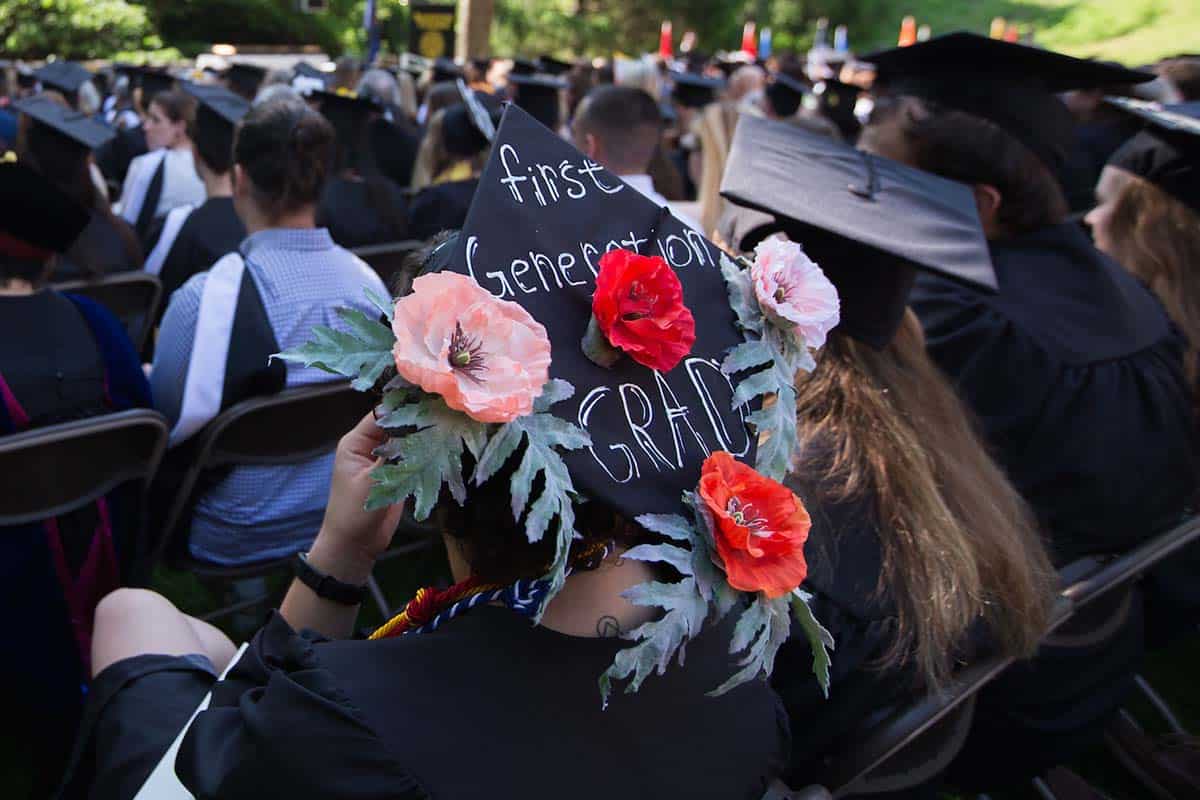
(792, 290)
(638, 307)
(759, 527)
(484, 356)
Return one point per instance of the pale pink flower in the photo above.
(792, 290)
(484, 356)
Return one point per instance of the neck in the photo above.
(217, 185)
(590, 604)
(15, 287)
(303, 218)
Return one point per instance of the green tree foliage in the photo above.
(78, 29)
(193, 25)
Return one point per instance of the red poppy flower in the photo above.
(760, 527)
(638, 306)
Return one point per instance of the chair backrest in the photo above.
(132, 297)
(287, 428)
(60, 468)
(386, 259)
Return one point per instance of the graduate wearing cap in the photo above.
(244, 79)
(463, 139)
(164, 178)
(784, 95)
(62, 358)
(360, 205)
(535, 637)
(67, 77)
(1072, 368)
(192, 239)
(540, 96)
(552, 66)
(873, 409)
(835, 101)
(59, 145)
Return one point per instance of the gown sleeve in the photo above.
(279, 726)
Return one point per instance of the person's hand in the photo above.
(351, 538)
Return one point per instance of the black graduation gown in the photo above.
(98, 251)
(395, 149)
(441, 207)
(350, 212)
(487, 706)
(209, 232)
(1075, 375)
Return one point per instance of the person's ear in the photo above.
(240, 183)
(988, 201)
(591, 147)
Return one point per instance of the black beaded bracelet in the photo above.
(327, 586)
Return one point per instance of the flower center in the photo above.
(744, 514)
(466, 354)
(639, 303)
(784, 286)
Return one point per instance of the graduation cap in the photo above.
(218, 111)
(26, 78)
(542, 217)
(36, 217)
(152, 82)
(869, 222)
(78, 128)
(65, 76)
(1167, 153)
(540, 96)
(523, 66)
(1011, 85)
(695, 91)
(836, 100)
(245, 78)
(553, 66)
(785, 94)
(445, 70)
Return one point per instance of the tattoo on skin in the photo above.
(608, 628)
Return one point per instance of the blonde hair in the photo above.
(714, 128)
(958, 543)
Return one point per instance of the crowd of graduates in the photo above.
(1012, 385)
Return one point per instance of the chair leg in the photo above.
(1160, 705)
(385, 611)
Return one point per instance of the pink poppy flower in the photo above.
(793, 291)
(485, 357)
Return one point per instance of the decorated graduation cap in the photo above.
(694, 91)
(73, 127)
(244, 78)
(868, 221)
(1011, 85)
(553, 66)
(65, 76)
(576, 330)
(1167, 152)
(785, 94)
(540, 96)
(36, 217)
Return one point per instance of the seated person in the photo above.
(286, 276)
(619, 128)
(921, 554)
(164, 178)
(393, 136)
(359, 205)
(62, 358)
(191, 240)
(58, 143)
(453, 152)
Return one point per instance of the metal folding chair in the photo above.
(132, 297)
(61, 468)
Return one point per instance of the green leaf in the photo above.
(420, 462)
(757, 385)
(555, 391)
(778, 419)
(677, 557)
(386, 306)
(741, 295)
(672, 526)
(819, 639)
(760, 632)
(748, 354)
(362, 353)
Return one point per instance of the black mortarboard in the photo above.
(469, 127)
(1167, 153)
(218, 101)
(218, 111)
(553, 66)
(836, 101)
(445, 70)
(26, 79)
(540, 221)
(79, 128)
(785, 94)
(244, 78)
(523, 66)
(65, 76)
(869, 222)
(1012, 85)
(540, 96)
(345, 111)
(152, 82)
(694, 91)
(36, 213)
(305, 69)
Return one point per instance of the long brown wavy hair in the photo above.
(1157, 238)
(958, 543)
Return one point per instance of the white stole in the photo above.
(171, 227)
(135, 193)
(205, 382)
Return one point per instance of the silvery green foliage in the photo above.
(703, 596)
(362, 353)
(778, 356)
(543, 434)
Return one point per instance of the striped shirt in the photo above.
(260, 512)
